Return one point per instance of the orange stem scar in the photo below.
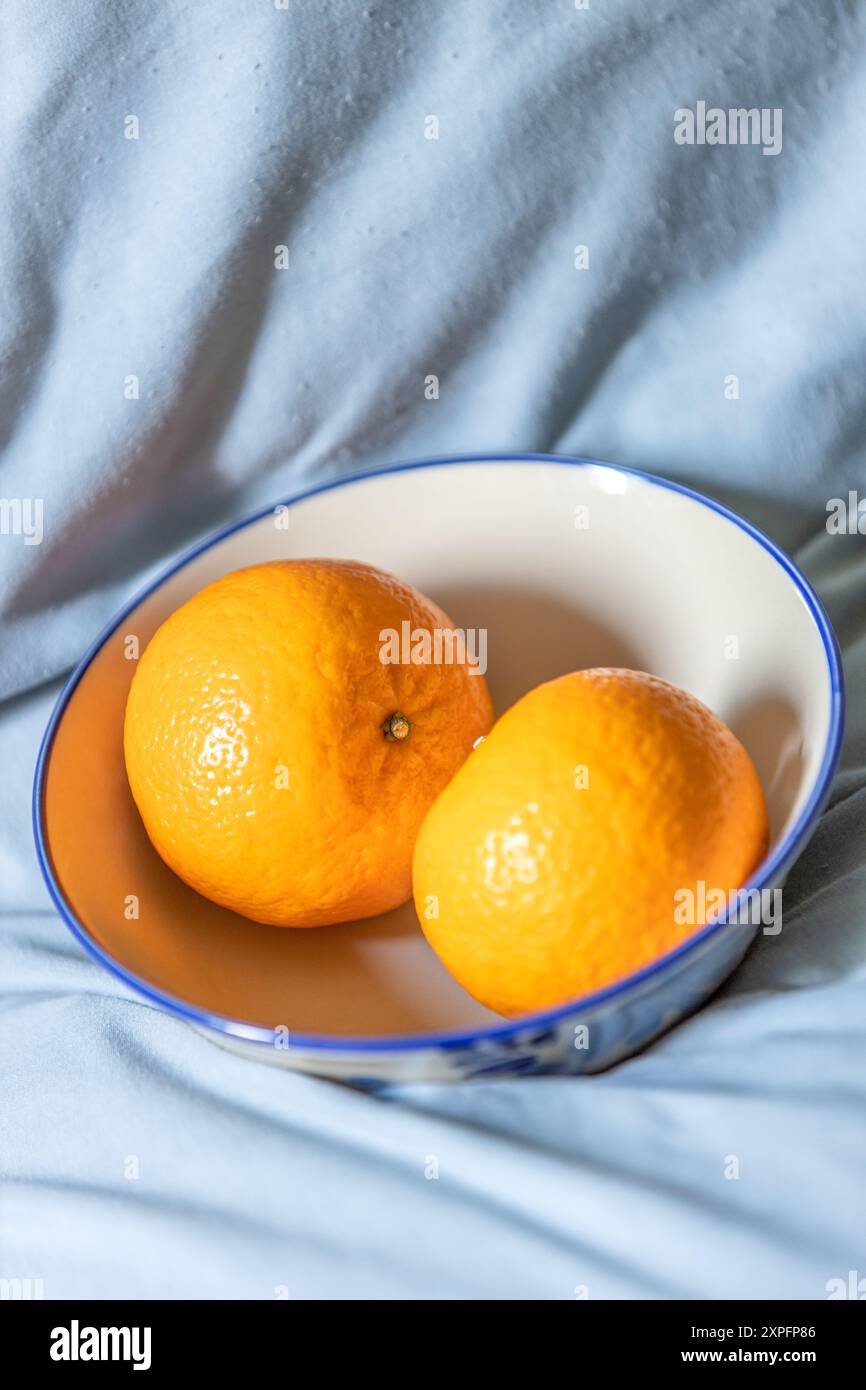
(396, 727)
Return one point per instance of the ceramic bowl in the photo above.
(567, 563)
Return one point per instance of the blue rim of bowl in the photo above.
(529, 1023)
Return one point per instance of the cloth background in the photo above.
(154, 258)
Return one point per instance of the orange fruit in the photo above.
(280, 766)
(549, 866)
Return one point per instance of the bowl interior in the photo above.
(566, 567)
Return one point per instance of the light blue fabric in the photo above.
(409, 257)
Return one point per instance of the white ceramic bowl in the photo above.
(567, 563)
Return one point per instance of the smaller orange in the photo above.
(560, 856)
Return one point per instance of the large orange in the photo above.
(279, 765)
(551, 864)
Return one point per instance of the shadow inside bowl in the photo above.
(771, 732)
(533, 637)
